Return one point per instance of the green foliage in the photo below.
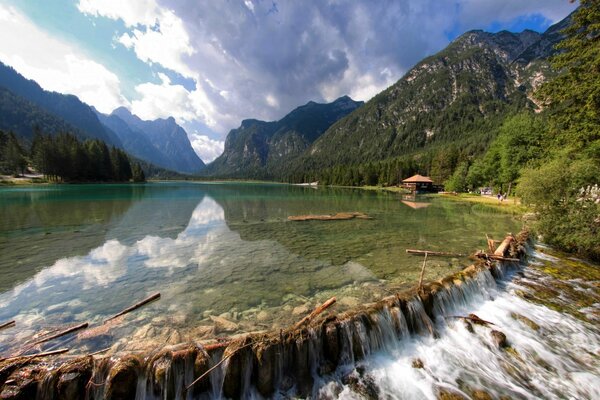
(574, 96)
(571, 162)
(64, 157)
(137, 173)
(12, 155)
(566, 218)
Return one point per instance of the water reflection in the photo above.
(229, 251)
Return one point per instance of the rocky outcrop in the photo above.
(259, 149)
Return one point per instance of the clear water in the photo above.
(80, 253)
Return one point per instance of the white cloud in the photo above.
(251, 60)
(206, 148)
(171, 100)
(159, 36)
(54, 64)
(133, 13)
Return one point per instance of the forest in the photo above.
(64, 158)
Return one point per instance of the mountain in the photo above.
(456, 97)
(260, 150)
(26, 97)
(134, 142)
(22, 117)
(161, 142)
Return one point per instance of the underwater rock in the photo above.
(300, 310)
(499, 339)
(349, 301)
(224, 325)
(262, 316)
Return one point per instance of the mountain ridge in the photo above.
(258, 149)
(452, 97)
(162, 140)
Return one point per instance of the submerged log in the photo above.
(29, 357)
(435, 253)
(7, 324)
(137, 305)
(334, 217)
(62, 333)
(316, 312)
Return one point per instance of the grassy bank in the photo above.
(511, 205)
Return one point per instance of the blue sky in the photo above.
(211, 64)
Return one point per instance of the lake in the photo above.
(224, 256)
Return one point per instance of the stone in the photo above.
(349, 301)
(300, 310)
(499, 339)
(122, 379)
(480, 395)
(445, 394)
(223, 324)
(262, 316)
(417, 363)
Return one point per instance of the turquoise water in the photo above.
(223, 256)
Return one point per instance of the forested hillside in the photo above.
(443, 112)
(264, 150)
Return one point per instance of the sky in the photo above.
(210, 64)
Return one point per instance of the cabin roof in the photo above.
(418, 179)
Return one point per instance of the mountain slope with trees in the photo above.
(66, 107)
(445, 110)
(262, 150)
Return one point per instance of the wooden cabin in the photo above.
(418, 184)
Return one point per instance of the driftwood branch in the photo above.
(137, 305)
(216, 365)
(7, 324)
(62, 333)
(491, 243)
(435, 253)
(316, 312)
(37, 355)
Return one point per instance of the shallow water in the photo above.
(80, 253)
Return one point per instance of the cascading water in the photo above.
(477, 334)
